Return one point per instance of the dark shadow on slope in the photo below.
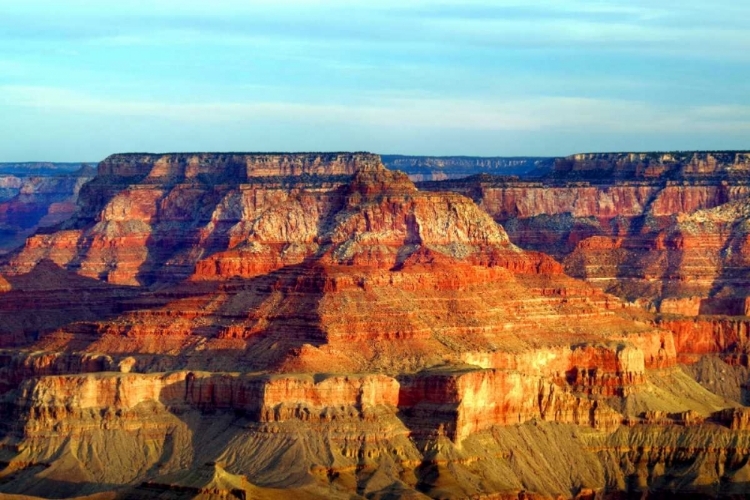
(49, 298)
(556, 235)
(93, 197)
(670, 278)
(26, 482)
(223, 412)
(232, 325)
(179, 241)
(639, 243)
(175, 238)
(273, 315)
(327, 221)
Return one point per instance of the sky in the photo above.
(80, 80)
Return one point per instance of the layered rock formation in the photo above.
(438, 168)
(668, 229)
(40, 168)
(36, 198)
(244, 325)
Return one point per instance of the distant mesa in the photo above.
(37, 195)
(233, 167)
(438, 168)
(41, 169)
(664, 166)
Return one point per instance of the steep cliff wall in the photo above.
(231, 168)
(656, 227)
(437, 433)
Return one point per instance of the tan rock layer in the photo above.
(242, 165)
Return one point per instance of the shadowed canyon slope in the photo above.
(36, 195)
(314, 326)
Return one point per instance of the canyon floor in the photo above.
(221, 326)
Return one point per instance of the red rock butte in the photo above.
(314, 326)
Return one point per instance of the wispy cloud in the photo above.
(538, 114)
(688, 27)
(531, 71)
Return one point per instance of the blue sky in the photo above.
(83, 79)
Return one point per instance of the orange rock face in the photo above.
(668, 229)
(317, 325)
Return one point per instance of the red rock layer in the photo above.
(695, 337)
(669, 228)
(458, 404)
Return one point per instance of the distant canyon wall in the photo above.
(438, 168)
(668, 228)
(36, 195)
